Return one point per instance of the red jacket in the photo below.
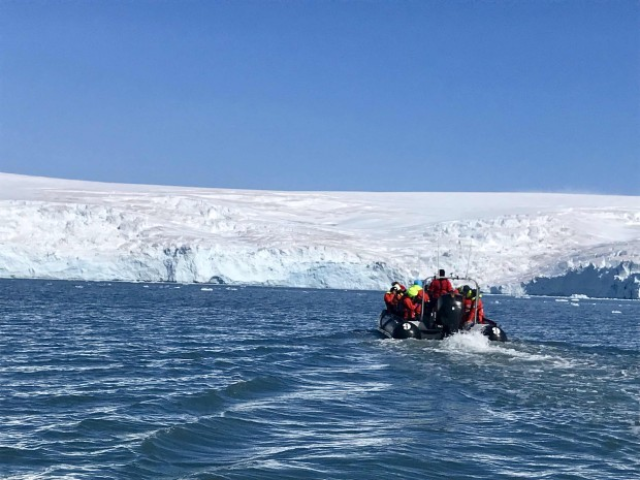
(439, 287)
(389, 298)
(412, 308)
(418, 302)
(391, 301)
(409, 308)
(469, 310)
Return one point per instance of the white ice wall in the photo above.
(61, 229)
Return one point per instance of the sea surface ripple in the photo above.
(166, 381)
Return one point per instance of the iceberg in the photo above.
(517, 243)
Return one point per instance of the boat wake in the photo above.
(475, 344)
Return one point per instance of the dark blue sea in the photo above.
(134, 381)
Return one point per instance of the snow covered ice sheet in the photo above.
(64, 229)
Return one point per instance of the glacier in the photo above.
(516, 243)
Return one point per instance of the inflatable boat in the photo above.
(446, 319)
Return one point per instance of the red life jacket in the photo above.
(439, 287)
(409, 308)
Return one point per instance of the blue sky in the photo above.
(325, 95)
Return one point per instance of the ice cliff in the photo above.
(511, 242)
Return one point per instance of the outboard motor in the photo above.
(449, 312)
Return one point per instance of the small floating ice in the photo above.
(145, 286)
(79, 286)
(562, 300)
(616, 311)
(206, 289)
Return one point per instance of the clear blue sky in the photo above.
(510, 95)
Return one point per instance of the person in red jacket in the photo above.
(391, 297)
(389, 300)
(409, 307)
(439, 286)
(472, 304)
(412, 307)
(421, 298)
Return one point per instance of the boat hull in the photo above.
(394, 326)
(492, 331)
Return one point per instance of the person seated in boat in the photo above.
(421, 299)
(408, 307)
(462, 291)
(413, 301)
(413, 290)
(472, 303)
(391, 297)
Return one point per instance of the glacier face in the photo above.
(622, 281)
(548, 243)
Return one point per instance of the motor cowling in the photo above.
(449, 311)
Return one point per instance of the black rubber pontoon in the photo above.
(394, 326)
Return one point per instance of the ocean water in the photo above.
(133, 381)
